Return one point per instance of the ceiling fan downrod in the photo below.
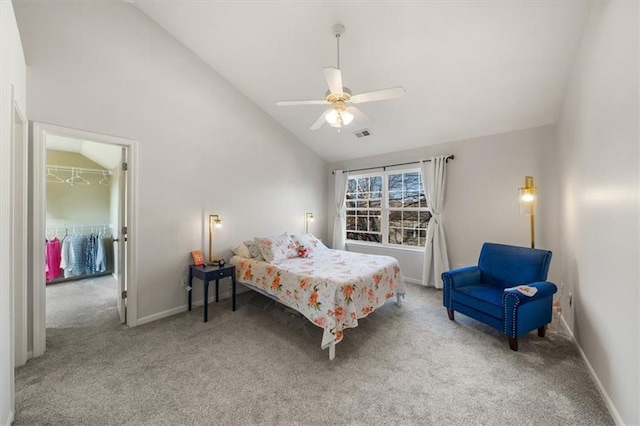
(338, 30)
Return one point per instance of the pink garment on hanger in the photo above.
(53, 259)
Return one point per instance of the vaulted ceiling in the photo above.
(469, 68)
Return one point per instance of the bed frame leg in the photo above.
(398, 299)
(332, 351)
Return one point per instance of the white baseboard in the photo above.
(9, 419)
(179, 309)
(412, 280)
(609, 403)
(163, 314)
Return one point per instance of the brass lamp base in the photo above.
(216, 262)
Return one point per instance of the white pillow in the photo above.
(278, 247)
(241, 250)
(254, 251)
(310, 242)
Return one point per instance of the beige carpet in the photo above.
(263, 365)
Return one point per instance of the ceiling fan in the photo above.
(342, 112)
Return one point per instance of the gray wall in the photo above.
(12, 73)
(481, 201)
(599, 231)
(203, 147)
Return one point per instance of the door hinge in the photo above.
(124, 294)
(125, 166)
(124, 230)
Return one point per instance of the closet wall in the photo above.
(78, 204)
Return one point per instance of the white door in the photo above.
(120, 247)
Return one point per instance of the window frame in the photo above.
(385, 209)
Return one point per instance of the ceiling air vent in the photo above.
(362, 133)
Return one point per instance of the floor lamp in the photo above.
(528, 198)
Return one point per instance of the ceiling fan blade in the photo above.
(378, 95)
(359, 115)
(320, 121)
(334, 80)
(288, 103)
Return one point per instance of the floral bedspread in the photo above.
(333, 289)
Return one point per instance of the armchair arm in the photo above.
(461, 277)
(457, 278)
(513, 301)
(545, 289)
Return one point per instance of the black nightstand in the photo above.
(208, 273)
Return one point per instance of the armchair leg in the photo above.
(542, 331)
(450, 313)
(513, 343)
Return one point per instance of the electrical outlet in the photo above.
(561, 289)
(183, 281)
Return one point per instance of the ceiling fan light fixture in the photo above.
(347, 117)
(341, 111)
(332, 117)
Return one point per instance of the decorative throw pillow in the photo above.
(277, 248)
(241, 250)
(310, 242)
(254, 251)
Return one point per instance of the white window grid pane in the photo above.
(409, 187)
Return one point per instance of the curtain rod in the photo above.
(450, 157)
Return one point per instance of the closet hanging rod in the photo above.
(77, 169)
(56, 228)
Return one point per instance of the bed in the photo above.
(333, 289)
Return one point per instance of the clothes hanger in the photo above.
(52, 177)
(77, 179)
(105, 179)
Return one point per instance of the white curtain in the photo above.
(434, 177)
(340, 224)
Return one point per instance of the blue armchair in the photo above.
(479, 291)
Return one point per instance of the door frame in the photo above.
(19, 260)
(40, 132)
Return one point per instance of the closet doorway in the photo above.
(84, 211)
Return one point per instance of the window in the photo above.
(364, 209)
(387, 208)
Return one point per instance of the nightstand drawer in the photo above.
(218, 274)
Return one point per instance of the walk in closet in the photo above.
(82, 204)
(79, 216)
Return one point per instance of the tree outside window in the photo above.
(387, 208)
(364, 209)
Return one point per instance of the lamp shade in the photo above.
(347, 117)
(332, 117)
(527, 197)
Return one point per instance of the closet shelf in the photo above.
(54, 168)
(76, 175)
